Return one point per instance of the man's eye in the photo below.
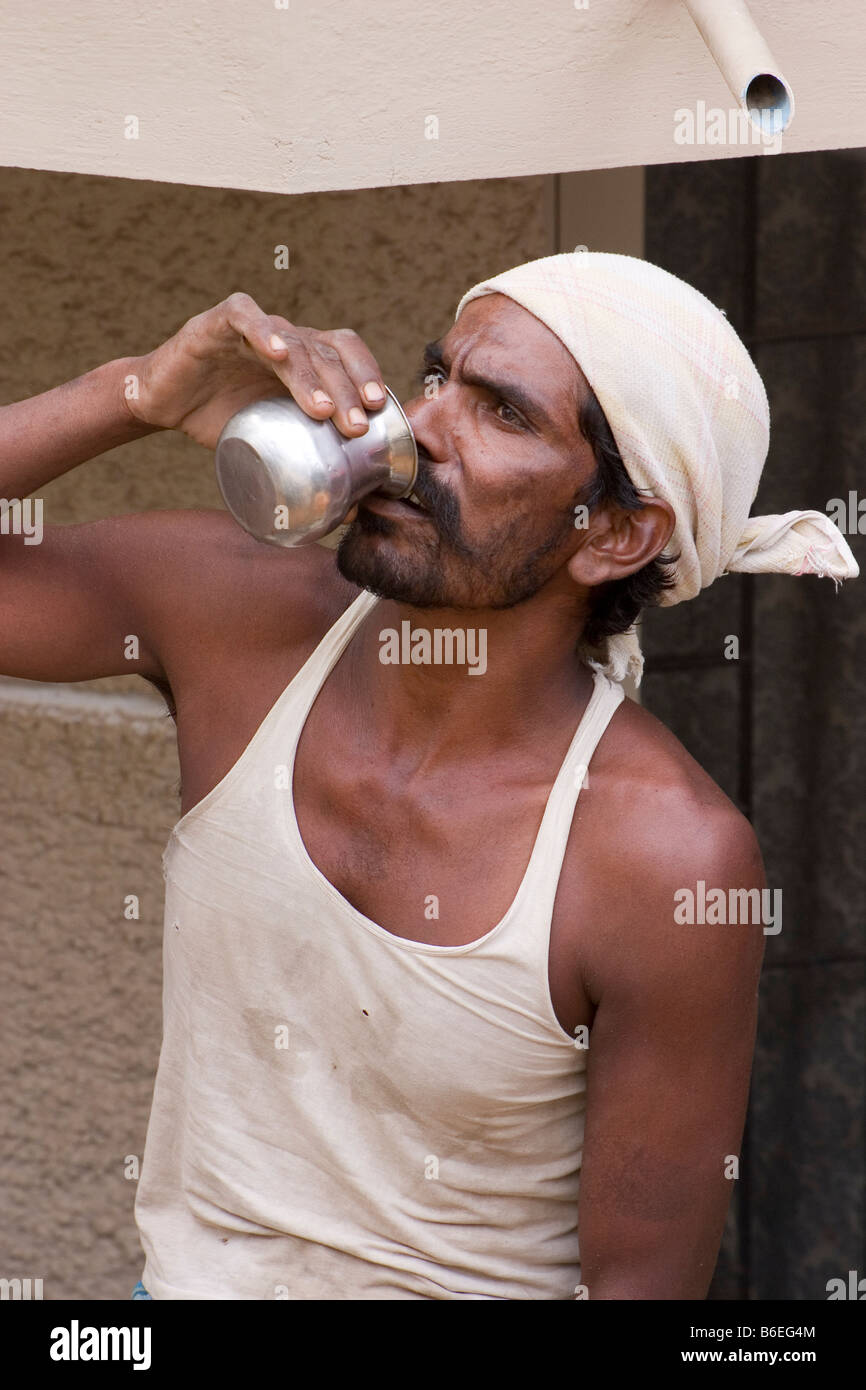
(516, 420)
(437, 373)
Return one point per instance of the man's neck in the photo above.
(519, 673)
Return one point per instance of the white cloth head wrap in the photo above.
(689, 414)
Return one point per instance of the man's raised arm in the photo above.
(47, 435)
(69, 595)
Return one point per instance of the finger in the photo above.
(325, 362)
(244, 317)
(359, 364)
(313, 377)
(350, 415)
(279, 344)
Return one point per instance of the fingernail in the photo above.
(357, 416)
(374, 392)
(320, 398)
(277, 343)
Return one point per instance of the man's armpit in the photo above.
(166, 692)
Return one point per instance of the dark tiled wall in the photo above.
(778, 241)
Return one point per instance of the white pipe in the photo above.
(745, 62)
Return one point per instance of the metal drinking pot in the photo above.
(289, 479)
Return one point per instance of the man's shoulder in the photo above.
(669, 808)
(657, 824)
(255, 592)
(213, 597)
(303, 581)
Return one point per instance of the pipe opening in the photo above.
(769, 103)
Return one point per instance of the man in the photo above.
(433, 1025)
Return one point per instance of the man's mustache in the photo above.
(438, 500)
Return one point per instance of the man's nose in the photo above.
(426, 418)
(428, 444)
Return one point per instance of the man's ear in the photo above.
(618, 542)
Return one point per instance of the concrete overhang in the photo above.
(296, 96)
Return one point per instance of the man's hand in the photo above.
(234, 353)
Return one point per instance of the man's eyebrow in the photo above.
(512, 391)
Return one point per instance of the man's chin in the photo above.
(366, 559)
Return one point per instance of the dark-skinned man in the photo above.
(434, 1024)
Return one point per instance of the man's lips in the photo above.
(393, 506)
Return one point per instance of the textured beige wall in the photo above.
(98, 268)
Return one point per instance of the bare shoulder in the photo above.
(662, 790)
(208, 582)
(662, 779)
(659, 825)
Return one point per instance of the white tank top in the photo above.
(339, 1112)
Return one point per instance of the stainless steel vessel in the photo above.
(289, 479)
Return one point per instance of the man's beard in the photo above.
(441, 570)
